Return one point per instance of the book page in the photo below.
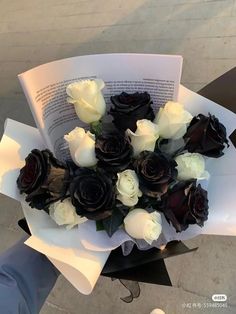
(45, 87)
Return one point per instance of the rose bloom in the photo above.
(92, 193)
(127, 187)
(155, 172)
(87, 98)
(82, 147)
(127, 109)
(207, 136)
(172, 120)
(145, 136)
(43, 178)
(113, 151)
(140, 224)
(185, 204)
(191, 166)
(63, 213)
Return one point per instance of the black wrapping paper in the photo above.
(144, 266)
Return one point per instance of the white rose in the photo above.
(191, 166)
(82, 147)
(145, 136)
(63, 213)
(172, 120)
(140, 224)
(87, 98)
(127, 187)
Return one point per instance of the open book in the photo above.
(45, 87)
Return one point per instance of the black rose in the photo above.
(113, 151)
(206, 135)
(155, 172)
(185, 204)
(43, 178)
(127, 109)
(92, 194)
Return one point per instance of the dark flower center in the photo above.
(30, 171)
(112, 147)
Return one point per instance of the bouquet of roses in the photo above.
(129, 169)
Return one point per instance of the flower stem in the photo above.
(96, 127)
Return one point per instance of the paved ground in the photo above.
(204, 32)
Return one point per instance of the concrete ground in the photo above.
(204, 32)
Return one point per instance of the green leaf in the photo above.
(99, 225)
(112, 223)
(96, 127)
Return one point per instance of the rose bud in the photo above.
(140, 224)
(145, 136)
(43, 178)
(127, 109)
(87, 98)
(92, 193)
(172, 120)
(185, 204)
(82, 147)
(63, 213)
(113, 151)
(127, 188)
(155, 172)
(191, 166)
(206, 135)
